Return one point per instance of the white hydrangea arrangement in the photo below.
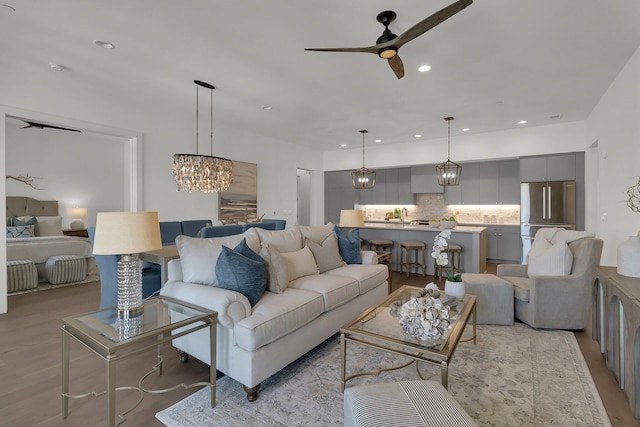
(424, 316)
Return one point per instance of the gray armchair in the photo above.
(556, 302)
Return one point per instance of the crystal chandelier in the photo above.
(448, 172)
(363, 178)
(198, 172)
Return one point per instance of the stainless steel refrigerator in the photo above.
(545, 204)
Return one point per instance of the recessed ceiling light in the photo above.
(521, 122)
(424, 68)
(57, 67)
(7, 8)
(378, 140)
(555, 116)
(343, 145)
(418, 135)
(466, 130)
(105, 44)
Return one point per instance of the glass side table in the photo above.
(113, 338)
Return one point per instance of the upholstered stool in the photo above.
(404, 403)
(378, 245)
(495, 305)
(418, 248)
(65, 269)
(21, 275)
(454, 254)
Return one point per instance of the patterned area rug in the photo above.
(514, 376)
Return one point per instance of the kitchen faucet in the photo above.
(403, 212)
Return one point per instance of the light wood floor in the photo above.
(30, 366)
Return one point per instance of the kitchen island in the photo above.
(472, 240)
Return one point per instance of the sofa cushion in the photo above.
(326, 253)
(368, 276)
(349, 245)
(520, 287)
(242, 270)
(277, 271)
(198, 257)
(276, 315)
(335, 290)
(317, 233)
(300, 263)
(554, 260)
(288, 240)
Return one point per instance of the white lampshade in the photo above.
(351, 218)
(120, 233)
(77, 212)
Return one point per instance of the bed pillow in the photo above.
(242, 273)
(49, 226)
(277, 273)
(349, 245)
(326, 253)
(27, 220)
(300, 263)
(20, 231)
(557, 260)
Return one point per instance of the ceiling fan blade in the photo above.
(31, 124)
(397, 66)
(430, 22)
(370, 49)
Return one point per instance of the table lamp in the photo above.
(351, 218)
(127, 234)
(77, 215)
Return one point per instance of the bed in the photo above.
(34, 232)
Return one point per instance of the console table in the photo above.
(616, 326)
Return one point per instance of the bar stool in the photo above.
(417, 247)
(381, 245)
(454, 254)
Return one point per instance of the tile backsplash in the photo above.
(433, 206)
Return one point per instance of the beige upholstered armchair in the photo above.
(556, 302)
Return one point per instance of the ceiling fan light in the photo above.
(388, 52)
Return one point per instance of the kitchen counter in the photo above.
(472, 240)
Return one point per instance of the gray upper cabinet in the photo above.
(560, 167)
(486, 183)
(509, 184)
(425, 180)
(393, 187)
(489, 182)
(338, 194)
(467, 193)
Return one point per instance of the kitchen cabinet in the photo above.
(425, 180)
(467, 193)
(558, 167)
(499, 182)
(338, 194)
(504, 243)
(393, 187)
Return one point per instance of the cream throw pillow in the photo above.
(326, 253)
(300, 263)
(49, 226)
(277, 270)
(288, 240)
(316, 233)
(556, 260)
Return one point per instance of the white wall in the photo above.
(77, 169)
(615, 125)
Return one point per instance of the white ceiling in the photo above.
(496, 62)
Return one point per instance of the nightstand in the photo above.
(76, 233)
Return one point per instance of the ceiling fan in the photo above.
(38, 125)
(387, 45)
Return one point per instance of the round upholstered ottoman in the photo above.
(494, 298)
(22, 275)
(65, 269)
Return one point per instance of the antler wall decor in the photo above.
(26, 179)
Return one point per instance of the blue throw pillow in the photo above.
(241, 273)
(349, 245)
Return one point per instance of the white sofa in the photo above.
(254, 343)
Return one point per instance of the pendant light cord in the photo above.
(448, 119)
(197, 116)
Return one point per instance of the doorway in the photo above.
(304, 197)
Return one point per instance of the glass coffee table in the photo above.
(377, 328)
(114, 338)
